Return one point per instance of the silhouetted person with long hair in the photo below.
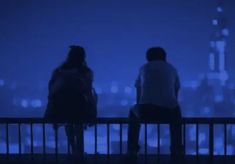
(72, 97)
(157, 88)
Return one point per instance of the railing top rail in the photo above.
(118, 120)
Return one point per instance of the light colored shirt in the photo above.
(159, 84)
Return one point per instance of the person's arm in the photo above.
(138, 89)
(53, 79)
(177, 85)
(49, 112)
(138, 93)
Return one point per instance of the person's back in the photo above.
(70, 88)
(67, 94)
(159, 84)
(71, 97)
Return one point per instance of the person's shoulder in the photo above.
(90, 73)
(150, 65)
(64, 72)
(144, 67)
(157, 64)
(89, 70)
(172, 68)
(56, 71)
(170, 65)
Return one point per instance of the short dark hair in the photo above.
(76, 54)
(156, 53)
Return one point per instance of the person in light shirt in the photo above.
(157, 87)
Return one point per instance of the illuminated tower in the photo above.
(218, 43)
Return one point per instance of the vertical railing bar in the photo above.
(96, 138)
(7, 138)
(211, 140)
(120, 138)
(68, 142)
(158, 140)
(197, 143)
(108, 139)
(19, 137)
(56, 140)
(31, 138)
(43, 138)
(68, 147)
(145, 139)
(225, 139)
(184, 141)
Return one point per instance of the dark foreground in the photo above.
(90, 159)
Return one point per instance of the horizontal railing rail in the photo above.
(124, 120)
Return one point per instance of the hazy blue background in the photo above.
(35, 35)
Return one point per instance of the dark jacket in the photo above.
(71, 96)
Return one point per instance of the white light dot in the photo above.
(2, 83)
(219, 9)
(225, 32)
(114, 89)
(24, 103)
(36, 103)
(215, 22)
(128, 90)
(206, 110)
(218, 98)
(124, 102)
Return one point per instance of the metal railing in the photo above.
(210, 122)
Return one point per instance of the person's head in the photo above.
(156, 53)
(76, 56)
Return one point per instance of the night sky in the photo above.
(35, 35)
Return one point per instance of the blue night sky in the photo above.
(35, 35)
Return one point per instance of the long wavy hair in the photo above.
(76, 59)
